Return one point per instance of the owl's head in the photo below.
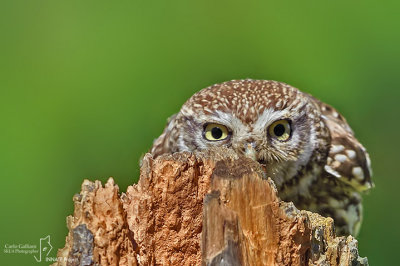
(270, 122)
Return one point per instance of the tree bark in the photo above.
(207, 208)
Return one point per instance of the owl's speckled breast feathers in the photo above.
(307, 147)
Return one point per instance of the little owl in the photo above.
(306, 146)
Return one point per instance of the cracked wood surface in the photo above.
(207, 208)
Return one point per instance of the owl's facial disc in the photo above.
(277, 138)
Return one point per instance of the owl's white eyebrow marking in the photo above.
(228, 120)
(267, 117)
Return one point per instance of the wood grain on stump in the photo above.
(207, 208)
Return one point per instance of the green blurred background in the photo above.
(85, 87)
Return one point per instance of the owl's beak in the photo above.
(250, 151)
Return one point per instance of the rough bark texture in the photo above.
(210, 208)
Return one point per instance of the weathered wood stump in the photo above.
(210, 208)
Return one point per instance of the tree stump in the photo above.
(206, 208)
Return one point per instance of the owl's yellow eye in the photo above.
(280, 130)
(215, 132)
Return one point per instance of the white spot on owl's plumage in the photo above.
(350, 215)
(358, 173)
(331, 171)
(335, 203)
(337, 148)
(351, 154)
(340, 158)
(368, 162)
(335, 164)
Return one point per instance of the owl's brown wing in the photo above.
(162, 144)
(348, 160)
